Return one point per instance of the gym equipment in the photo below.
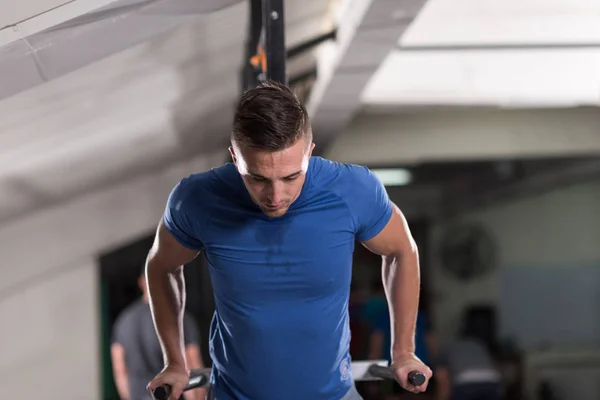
(361, 371)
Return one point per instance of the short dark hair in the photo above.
(270, 117)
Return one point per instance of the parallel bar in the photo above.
(309, 44)
(273, 20)
(301, 77)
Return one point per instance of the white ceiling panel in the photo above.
(51, 53)
(368, 30)
(507, 21)
(14, 12)
(511, 53)
(540, 78)
(27, 17)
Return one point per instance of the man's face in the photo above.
(273, 179)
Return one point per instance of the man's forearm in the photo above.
(166, 291)
(122, 384)
(401, 278)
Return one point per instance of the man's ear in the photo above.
(232, 153)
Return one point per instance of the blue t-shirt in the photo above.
(281, 285)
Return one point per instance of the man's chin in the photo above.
(280, 212)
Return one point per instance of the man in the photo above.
(278, 227)
(136, 353)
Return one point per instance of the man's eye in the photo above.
(293, 178)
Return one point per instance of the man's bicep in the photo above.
(370, 204)
(395, 238)
(180, 217)
(168, 251)
(180, 229)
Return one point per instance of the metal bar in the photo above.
(274, 24)
(303, 76)
(249, 74)
(305, 46)
(498, 46)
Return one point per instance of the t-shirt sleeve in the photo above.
(369, 202)
(190, 330)
(177, 216)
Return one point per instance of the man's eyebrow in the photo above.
(292, 175)
(254, 174)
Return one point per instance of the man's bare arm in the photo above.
(401, 278)
(166, 291)
(117, 354)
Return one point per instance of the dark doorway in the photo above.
(119, 272)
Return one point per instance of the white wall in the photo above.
(550, 231)
(546, 287)
(376, 138)
(49, 335)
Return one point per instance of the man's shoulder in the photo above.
(213, 178)
(208, 184)
(361, 191)
(342, 178)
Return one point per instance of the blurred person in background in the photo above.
(358, 327)
(136, 353)
(466, 369)
(376, 314)
(377, 317)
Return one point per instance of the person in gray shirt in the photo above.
(465, 370)
(136, 353)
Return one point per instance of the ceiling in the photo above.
(100, 91)
(45, 39)
(511, 53)
(75, 119)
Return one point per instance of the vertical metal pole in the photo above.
(274, 23)
(249, 74)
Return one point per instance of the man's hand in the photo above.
(405, 364)
(196, 394)
(175, 376)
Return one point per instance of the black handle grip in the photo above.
(415, 378)
(198, 378)
(162, 392)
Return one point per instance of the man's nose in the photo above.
(275, 193)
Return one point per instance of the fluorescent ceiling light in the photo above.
(393, 176)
